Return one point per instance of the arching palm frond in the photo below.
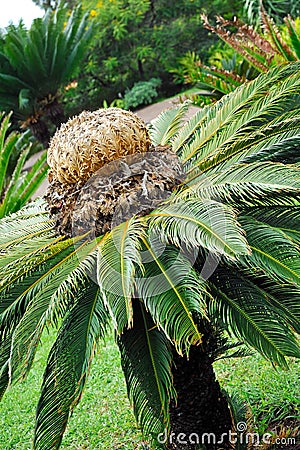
(247, 122)
(173, 294)
(187, 131)
(32, 220)
(200, 222)
(68, 365)
(117, 260)
(246, 184)
(241, 306)
(40, 300)
(146, 361)
(272, 251)
(282, 215)
(31, 279)
(167, 124)
(283, 297)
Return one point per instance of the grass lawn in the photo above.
(104, 419)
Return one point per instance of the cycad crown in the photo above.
(104, 171)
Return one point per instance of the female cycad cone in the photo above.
(88, 141)
(105, 171)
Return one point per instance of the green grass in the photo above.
(273, 395)
(104, 420)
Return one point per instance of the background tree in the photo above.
(138, 40)
(231, 225)
(37, 64)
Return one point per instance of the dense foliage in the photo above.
(247, 53)
(238, 209)
(36, 65)
(138, 40)
(54, 4)
(17, 184)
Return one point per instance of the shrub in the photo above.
(142, 93)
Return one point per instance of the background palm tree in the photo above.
(36, 64)
(219, 255)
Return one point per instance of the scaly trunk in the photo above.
(54, 110)
(201, 413)
(39, 129)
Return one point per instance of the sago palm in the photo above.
(36, 64)
(173, 241)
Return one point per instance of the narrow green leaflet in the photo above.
(246, 184)
(68, 366)
(200, 222)
(146, 362)
(272, 251)
(167, 124)
(241, 306)
(173, 294)
(117, 260)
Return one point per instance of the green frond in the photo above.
(246, 184)
(167, 124)
(173, 294)
(230, 108)
(30, 221)
(283, 297)
(29, 303)
(241, 141)
(272, 251)
(68, 366)
(267, 140)
(199, 222)
(248, 121)
(242, 307)
(187, 131)
(33, 179)
(117, 260)
(285, 217)
(7, 145)
(22, 186)
(146, 362)
(285, 150)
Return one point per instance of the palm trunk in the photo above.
(201, 412)
(39, 130)
(55, 111)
